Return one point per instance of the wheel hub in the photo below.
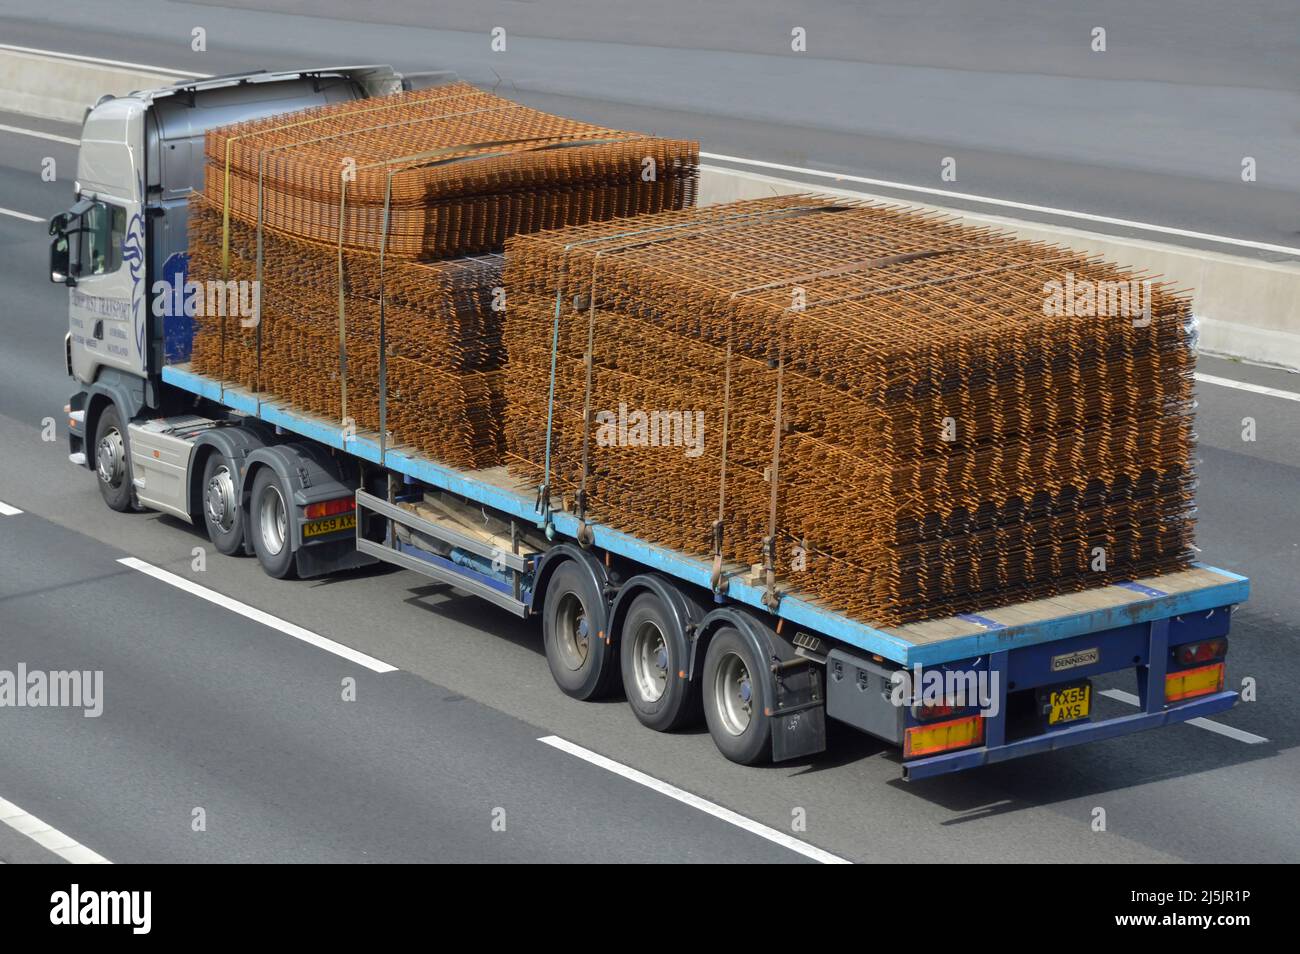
(110, 457)
(733, 694)
(274, 520)
(220, 499)
(574, 632)
(650, 661)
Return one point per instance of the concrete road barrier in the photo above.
(1248, 308)
(57, 88)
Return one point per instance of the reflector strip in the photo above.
(955, 734)
(1193, 682)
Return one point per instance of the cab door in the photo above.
(107, 295)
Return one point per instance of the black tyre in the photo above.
(113, 460)
(734, 685)
(219, 502)
(270, 522)
(582, 663)
(653, 653)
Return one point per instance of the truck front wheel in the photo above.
(735, 699)
(270, 523)
(113, 460)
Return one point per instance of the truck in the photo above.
(308, 496)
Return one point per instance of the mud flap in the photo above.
(799, 717)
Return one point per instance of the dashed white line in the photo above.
(47, 836)
(1245, 386)
(21, 215)
(1240, 735)
(709, 808)
(259, 616)
(1005, 203)
(39, 134)
(8, 511)
(102, 62)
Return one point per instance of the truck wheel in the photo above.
(735, 699)
(653, 652)
(222, 514)
(270, 525)
(582, 663)
(113, 461)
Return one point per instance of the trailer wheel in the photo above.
(113, 461)
(582, 663)
(653, 654)
(222, 514)
(270, 524)
(735, 699)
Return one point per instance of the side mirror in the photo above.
(60, 270)
(59, 223)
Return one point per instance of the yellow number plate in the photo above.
(347, 521)
(1069, 704)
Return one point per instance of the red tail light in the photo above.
(330, 508)
(1201, 652)
(927, 713)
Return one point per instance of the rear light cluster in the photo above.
(330, 508)
(1202, 652)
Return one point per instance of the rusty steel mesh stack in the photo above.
(451, 172)
(461, 170)
(443, 338)
(946, 443)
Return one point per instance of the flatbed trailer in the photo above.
(308, 496)
(1139, 622)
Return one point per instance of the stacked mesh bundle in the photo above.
(442, 337)
(945, 442)
(457, 169)
(422, 189)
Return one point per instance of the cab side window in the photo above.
(104, 228)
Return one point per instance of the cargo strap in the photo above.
(770, 596)
(383, 327)
(717, 580)
(257, 381)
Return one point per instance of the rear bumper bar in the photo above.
(1064, 738)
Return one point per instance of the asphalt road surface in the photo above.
(206, 709)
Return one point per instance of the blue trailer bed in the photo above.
(933, 642)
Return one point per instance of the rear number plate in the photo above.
(347, 521)
(1070, 703)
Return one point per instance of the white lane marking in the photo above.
(47, 836)
(1008, 204)
(18, 130)
(21, 215)
(1240, 735)
(99, 60)
(8, 511)
(1252, 388)
(259, 616)
(709, 808)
